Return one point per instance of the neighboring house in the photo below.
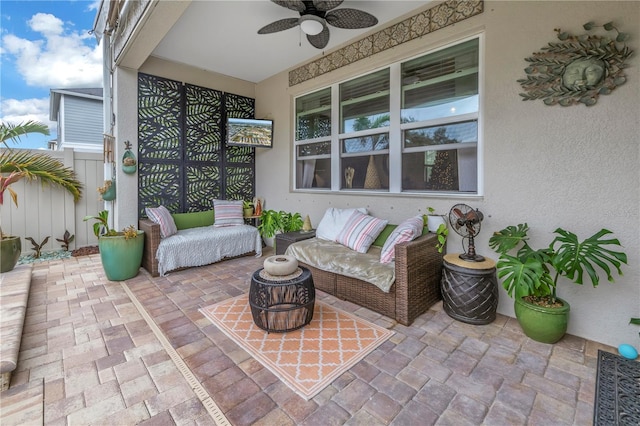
(550, 166)
(79, 115)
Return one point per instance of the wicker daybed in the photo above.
(195, 231)
(418, 268)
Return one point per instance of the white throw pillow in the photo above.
(360, 231)
(333, 221)
(408, 230)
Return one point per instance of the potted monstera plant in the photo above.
(16, 165)
(120, 252)
(531, 276)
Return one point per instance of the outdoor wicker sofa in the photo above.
(418, 268)
(194, 230)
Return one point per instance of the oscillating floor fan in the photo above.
(466, 222)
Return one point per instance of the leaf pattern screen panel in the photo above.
(184, 162)
(239, 161)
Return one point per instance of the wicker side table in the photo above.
(280, 304)
(469, 289)
(284, 240)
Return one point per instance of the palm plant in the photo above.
(32, 166)
(18, 164)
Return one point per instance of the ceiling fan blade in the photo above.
(350, 18)
(296, 5)
(319, 41)
(324, 5)
(281, 25)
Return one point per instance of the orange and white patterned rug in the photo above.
(307, 359)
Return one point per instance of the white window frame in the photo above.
(395, 130)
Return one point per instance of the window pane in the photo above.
(465, 132)
(441, 84)
(443, 170)
(364, 102)
(319, 148)
(313, 115)
(313, 173)
(366, 143)
(366, 171)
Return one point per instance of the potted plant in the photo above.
(437, 223)
(531, 276)
(247, 208)
(434, 220)
(16, 165)
(120, 252)
(273, 222)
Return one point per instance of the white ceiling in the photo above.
(221, 36)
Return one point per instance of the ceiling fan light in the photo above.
(311, 25)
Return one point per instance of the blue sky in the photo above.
(44, 45)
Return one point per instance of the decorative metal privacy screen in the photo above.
(183, 161)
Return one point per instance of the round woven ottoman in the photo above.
(282, 303)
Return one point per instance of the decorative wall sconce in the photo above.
(577, 69)
(108, 191)
(129, 163)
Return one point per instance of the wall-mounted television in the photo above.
(250, 132)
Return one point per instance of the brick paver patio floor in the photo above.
(89, 357)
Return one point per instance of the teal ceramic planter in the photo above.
(121, 258)
(546, 325)
(10, 249)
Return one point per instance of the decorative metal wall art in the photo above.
(577, 69)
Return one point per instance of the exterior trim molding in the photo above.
(428, 21)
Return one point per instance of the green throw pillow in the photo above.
(193, 219)
(379, 242)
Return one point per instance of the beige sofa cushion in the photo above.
(333, 257)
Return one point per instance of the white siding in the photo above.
(82, 121)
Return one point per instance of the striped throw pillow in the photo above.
(360, 231)
(227, 213)
(408, 230)
(162, 217)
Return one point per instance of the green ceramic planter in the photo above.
(121, 259)
(10, 249)
(546, 325)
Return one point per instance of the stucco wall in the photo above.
(188, 74)
(574, 167)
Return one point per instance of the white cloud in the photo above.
(18, 111)
(46, 24)
(59, 59)
(95, 5)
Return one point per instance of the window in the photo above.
(364, 132)
(313, 127)
(411, 127)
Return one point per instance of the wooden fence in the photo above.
(46, 211)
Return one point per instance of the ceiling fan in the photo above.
(314, 17)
